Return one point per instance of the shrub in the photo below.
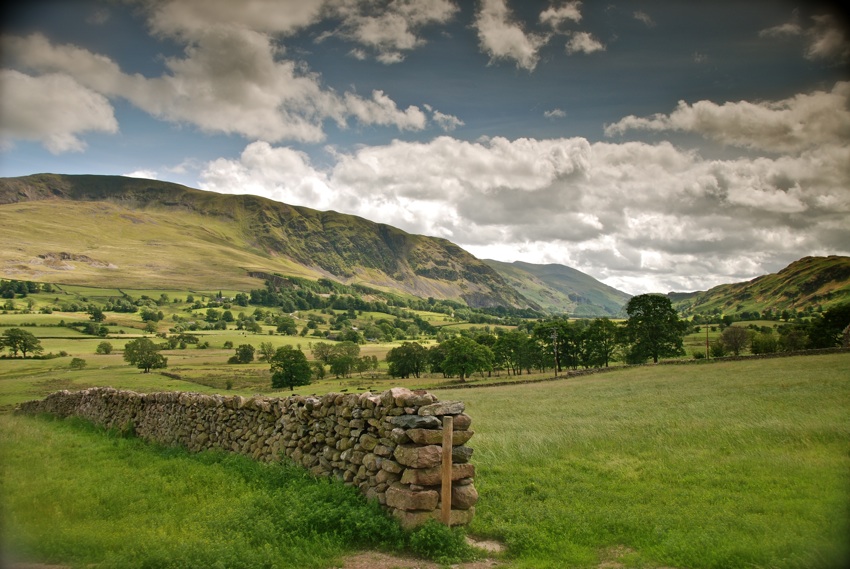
(443, 544)
(77, 363)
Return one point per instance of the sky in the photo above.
(656, 145)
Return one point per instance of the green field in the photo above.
(732, 464)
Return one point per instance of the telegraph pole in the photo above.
(555, 346)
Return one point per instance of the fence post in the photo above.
(446, 473)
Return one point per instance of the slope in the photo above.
(805, 284)
(557, 288)
(117, 230)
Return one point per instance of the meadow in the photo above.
(730, 464)
(740, 464)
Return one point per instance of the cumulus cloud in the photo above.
(789, 125)
(391, 29)
(555, 114)
(146, 174)
(447, 122)
(640, 216)
(230, 79)
(503, 38)
(554, 17)
(52, 109)
(584, 42)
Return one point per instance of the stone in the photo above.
(462, 422)
(464, 497)
(368, 442)
(417, 421)
(442, 408)
(404, 499)
(433, 476)
(415, 456)
(461, 454)
(435, 436)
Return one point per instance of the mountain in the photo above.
(557, 288)
(137, 233)
(810, 282)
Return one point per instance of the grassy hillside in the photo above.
(557, 288)
(810, 282)
(110, 229)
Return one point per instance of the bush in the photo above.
(104, 348)
(443, 544)
(77, 363)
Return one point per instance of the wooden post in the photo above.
(446, 472)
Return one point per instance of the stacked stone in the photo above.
(388, 445)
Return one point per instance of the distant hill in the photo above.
(557, 288)
(137, 233)
(809, 282)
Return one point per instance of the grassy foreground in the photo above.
(728, 465)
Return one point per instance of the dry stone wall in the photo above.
(389, 445)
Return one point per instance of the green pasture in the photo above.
(726, 465)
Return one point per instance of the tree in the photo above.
(19, 340)
(826, 331)
(343, 358)
(77, 363)
(267, 351)
(96, 314)
(144, 354)
(465, 356)
(104, 348)
(735, 339)
(244, 354)
(653, 328)
(601, 338)
(410, 358)
(289, 367)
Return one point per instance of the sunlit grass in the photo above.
(737, 464)
(86, 498)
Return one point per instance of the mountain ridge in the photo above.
(805, 284)
(256, 233)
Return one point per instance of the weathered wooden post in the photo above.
(446, 474)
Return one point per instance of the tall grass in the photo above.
(74, 495)
(729, 465)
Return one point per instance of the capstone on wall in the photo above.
(388, 445)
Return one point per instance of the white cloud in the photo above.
(645, 18)
(281, 174)
(554, 17)
(230, 80)
(584, 42)
(146, 174)
(503, 38)
(825, 38)
(555, 114)
(447, 122)
(52, 109)
(789, 125)
(640, 216)
(193, 18)
(390, 29)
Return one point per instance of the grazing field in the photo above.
(723, 465)
(73, 495)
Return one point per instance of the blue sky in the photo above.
(656, 145)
